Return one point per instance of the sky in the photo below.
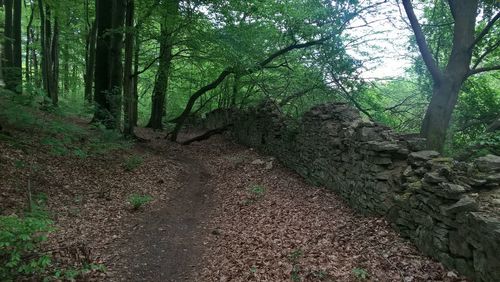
(382, 35)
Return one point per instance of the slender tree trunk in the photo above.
(29, 41)
(161, 82)
(128, 80)
(137, 38)
(54, 64)
(43, 45)
(66, 71)
(8, 59)
(162, 75)
(17, 49)
(90, 62)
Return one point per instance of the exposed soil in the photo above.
(165, 245)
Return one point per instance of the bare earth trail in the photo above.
(241, 216)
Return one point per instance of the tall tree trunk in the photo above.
(43, 39)
(116, 83)
(137, 47)
(66, 71)
(102, 65)
(8, 59)
(29, 41)
(17, 49)
(54, 64)
(90, 62)
(130, 103)
(108, 74)
(162, 75)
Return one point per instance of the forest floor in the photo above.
(220, 212)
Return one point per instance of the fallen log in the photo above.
(207, 134)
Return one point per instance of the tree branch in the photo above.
(429, 60)
(229, 70)
(485, 30)
(484, 69)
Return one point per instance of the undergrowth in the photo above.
(57, 134)
(20, 240)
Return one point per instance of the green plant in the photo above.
(20, 238)
(137, 201)
(132, 162)
(360, 273)
(295, 276)
(71, 274)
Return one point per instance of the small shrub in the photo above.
(137, 201)
(20, 238)
(257, 191)
(132, 163)
(360, 273)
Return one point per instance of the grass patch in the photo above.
(137, 201)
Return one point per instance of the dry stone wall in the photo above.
(449, 209)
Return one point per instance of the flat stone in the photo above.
(432, 177)
(383, 146)
(258, 162)
(465, 204)
(423, 155)
(488, 163)
(450, 191)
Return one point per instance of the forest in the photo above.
(102, 102)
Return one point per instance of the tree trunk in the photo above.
(29, 41)
(17, 49)
(446, 88)
(102, 64)
(90, 62)
(116, 83)
(135, 94)
(162, 75)
(8, 63)
(54, 64)
(128, 80)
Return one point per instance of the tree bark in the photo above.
(130, 103)
(29, 41)
(102, 73)
(17, 49)
(448, 82)
(162, 76)
(90, 62)
(8, 59)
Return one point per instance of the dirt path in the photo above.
(166, 245)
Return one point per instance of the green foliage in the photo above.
(71, 274)
(360, 273)
(132, 162)
(137, 201)
(294, 257)
(255, 193)
(20, 238)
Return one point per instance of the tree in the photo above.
(12, 67)
(447, 82)
(129, 99)
(168, 27)
(49, 41)
(108, 74)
